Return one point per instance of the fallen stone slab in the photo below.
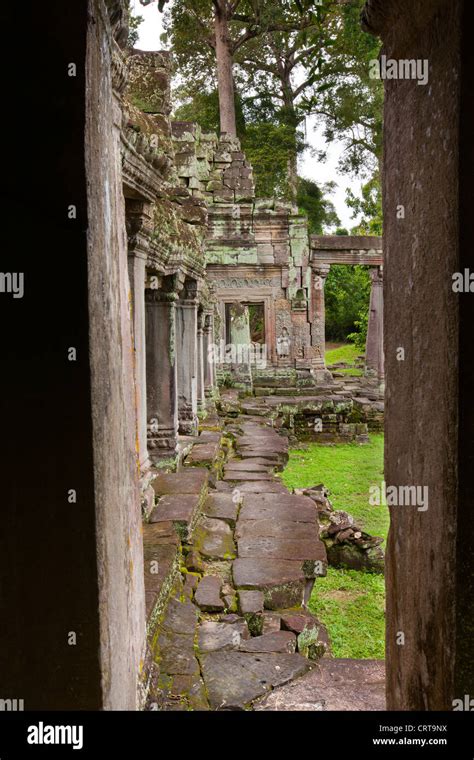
(277, 528)
(238, 475)
(271, 622)
(213, 636)
(207, 595)
(257, 454)
(190, 480)
(183, 688)
(298, 620)
(245, 465)
(335, 684)
(262, 486)
(250, 602)
(234, 679)
(282, 581)
(175, 660)
(277, 641)
(202, 454)
(285, 506)
(180, 509)
(213, 539)
(222, 506)
(180, 617)
(282, 548)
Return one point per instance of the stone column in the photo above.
(240, 342)
(161, 371)
(138, 219)
(208, 356)
(374, 356)
(201, 359)
(318, 324)
(186, 352)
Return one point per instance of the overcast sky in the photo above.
(309, 167)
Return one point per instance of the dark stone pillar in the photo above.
(138, 224)
(186, 352)
(208, 356)
(161, 371)
(374, 358)
(201, 398)
(318, 325)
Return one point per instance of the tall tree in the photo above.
(208, 33)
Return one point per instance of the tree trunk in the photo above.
(291, 120)
(225, 81)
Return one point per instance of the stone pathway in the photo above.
(237, 555)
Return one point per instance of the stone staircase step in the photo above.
(335, 684)
(222, 506)
(234, 679)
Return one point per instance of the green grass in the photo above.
(346, 353)
(349, 603)
(351, 606)
(348, 470)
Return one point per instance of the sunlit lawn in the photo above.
(347, 353)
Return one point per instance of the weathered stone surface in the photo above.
(190, 480)
(277, 641)
(207, 595)
(234, 679)
(262, 486)
(245, 465)
(214, 539)
(282, 548)
(282, 581)
(279, 528)
(221, 506)
(284, 506)
(271, 622)
(175, 508)
(180, 617)
(345, 685)
(194, 562)
(176, 660)
(191, 581)
(298, 620)
(250, 602)
(238, 475)
(216, 636)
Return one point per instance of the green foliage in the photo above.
(369, 205)
(269, 147)
(347, 296)
(318, 208)
(359, 336)
(133, 24)
(347, 102)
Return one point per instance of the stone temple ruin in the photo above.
(205, 254)
(181, 563)
(227, 298)
(185, 565)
